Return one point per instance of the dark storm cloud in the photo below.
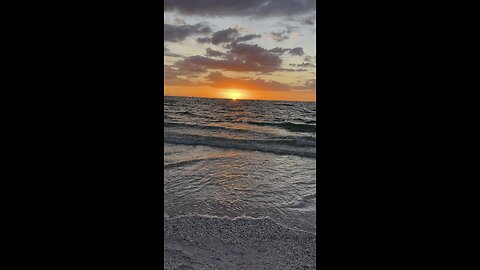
(257, 8)
(175, 33)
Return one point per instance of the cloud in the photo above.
(247, 38)
(295, 51)
(284, 34)
(227, 64)
(255, 8)
(204, 40)
(304, 65)
(167, 52)
(172, 77)
(224, 36)
(227, 36)
(214, 53)
(187, 68)
(256, 56)
(280, 36)
(218, 80)
(174, 33)
(241, 57)
(310, 85)
(294, 70)
(278, 50)
(310, 20)
(178, 21)
(308, 63)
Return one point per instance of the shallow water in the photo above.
(229, 158)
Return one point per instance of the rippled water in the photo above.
(241, 158)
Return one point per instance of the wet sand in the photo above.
(204, 242)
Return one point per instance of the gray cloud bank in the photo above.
(174, 33)
(256, 8)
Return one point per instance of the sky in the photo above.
(240, 49)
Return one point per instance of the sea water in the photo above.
(236, 164)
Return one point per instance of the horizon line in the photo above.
(276, 100)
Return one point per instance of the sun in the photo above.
(234, 94)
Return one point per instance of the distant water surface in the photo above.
(238, 158)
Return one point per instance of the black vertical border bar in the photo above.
(163, 110)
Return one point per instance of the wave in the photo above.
(294, 127)
(285, 104)
(187, 162)
(303, 147)
(186, 113)
(293, 140)
(184, 125)
(288, 126)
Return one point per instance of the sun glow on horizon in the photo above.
(226, 93)
(234, 94)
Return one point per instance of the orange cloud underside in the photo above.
(209, 92)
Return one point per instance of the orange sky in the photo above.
(222, 51)
(209, 92)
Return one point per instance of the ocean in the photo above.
(230, 165)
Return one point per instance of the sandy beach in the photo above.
(204, 242)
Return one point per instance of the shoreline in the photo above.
(205, 242)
